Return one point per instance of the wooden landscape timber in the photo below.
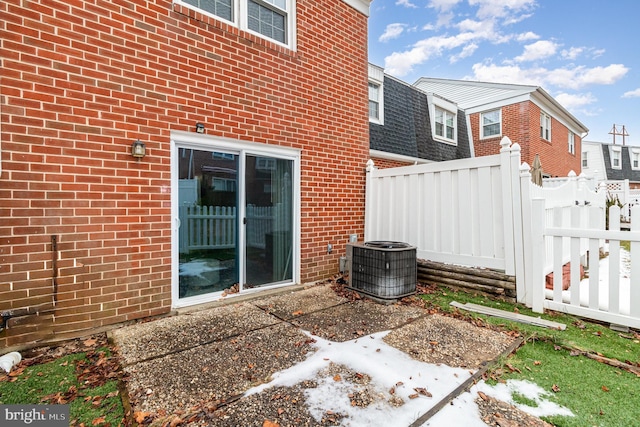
(491, 282)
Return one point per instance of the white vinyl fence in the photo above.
(456, 212)
(214, 227)
(612, 297)
(485, 212)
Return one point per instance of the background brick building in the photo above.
(87, 232)
(526, 114)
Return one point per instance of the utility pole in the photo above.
(622, 132)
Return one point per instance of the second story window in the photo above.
(374, 101)
(491, 124)
(271, 19)
(445, 124)
(572, 143)
(635, 159)
(585, 160)
(545, 126)
(616, 155)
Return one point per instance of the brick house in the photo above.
(406, 125)
(527, 115)
(161, 154)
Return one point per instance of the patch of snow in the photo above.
(387, 368)
(198, 267)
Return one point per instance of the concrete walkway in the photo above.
(198, 366)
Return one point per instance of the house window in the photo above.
(272, 19)
(635, 159)
(491, 124)
(445, 124)
(585, 162)
(376, 104)
(572, 143)
(616, 155)
(545, 126)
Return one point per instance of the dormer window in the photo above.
(616, 157)
(444, 121)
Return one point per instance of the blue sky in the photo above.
(584, 53)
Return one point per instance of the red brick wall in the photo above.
(521, 123)
(82, 80)
(386, 163)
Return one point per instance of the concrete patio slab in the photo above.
(215, 372)
(456, 343)
(289, 306)
(168, 335)
(352, 320)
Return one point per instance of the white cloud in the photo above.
(465, 53)
(443, 5)
(541, 49)
(529, 35)
(406, 3)
(401, 63)
(393, 31)
(572, 53)
(573, 101)
(632, 94)
(510, 10)
(563, 78)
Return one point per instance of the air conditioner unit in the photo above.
(384, 270)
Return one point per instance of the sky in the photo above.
(582, 52)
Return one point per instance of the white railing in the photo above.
(214, 227)
(610, 297)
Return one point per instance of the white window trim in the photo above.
(617, 150)
(571, 142)
(448, 106)
(182, 139)
(585, 159)
(542, 113)
(635, 153)
(241, 20)
(380, 119)
(499, 134)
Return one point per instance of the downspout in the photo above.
(54, 266)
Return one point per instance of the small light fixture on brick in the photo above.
(138, 149)
(199, 128)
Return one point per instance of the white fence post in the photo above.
(524, 287)
(614, 261)
(370, 201)
(635, 265)
(538, 250)
(507, 204)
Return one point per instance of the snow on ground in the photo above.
(390, 368)
(603, 285)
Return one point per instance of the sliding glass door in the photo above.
(268, 210)
(208, 214)
(235, 216)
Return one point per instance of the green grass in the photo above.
(57, 382)
(598, 394)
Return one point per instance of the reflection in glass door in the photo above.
(269, 221)
(208, 214)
